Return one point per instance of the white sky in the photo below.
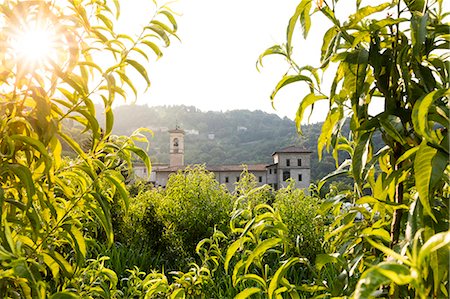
(213, 67)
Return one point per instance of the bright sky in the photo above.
(214, 65)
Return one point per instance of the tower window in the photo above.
(275, 171)
(299, 162)
(270, 171)
(175, 142)
(286, 175)
(288, 162)
(300, 177)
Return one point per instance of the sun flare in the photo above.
(35, 45)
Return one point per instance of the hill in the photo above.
(238, 136)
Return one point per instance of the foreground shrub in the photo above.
(173, 220)
(301, 215)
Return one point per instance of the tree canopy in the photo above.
(397, 53)
(45, 200)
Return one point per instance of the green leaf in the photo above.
(388, 251)
(253, 277)
(38, 145)
(178, 293)
(420, 112)
(423, 171)
(328, 44)
(117, 180)
(307, 101)
(393, 126)
(247, 293)
(302, 12)
(232, 249)
(161, 33)
(333, 117)
(288, 79)
(270, 51)
(64, 295)
(25, 176)
(326, 258)
(63, 264)
(275, 283)
(436, 242)
(366, 11)
(153, 47)
(419, 33)
(141, 70)
(379, 275)
(171, 19)
(79, 240)
(361, 156)
(261, 249)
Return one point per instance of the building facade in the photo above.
(291, 162)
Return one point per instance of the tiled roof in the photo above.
(176, 131)
(292, 149)
(218, 168)
(236, 167)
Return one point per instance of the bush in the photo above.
(171, 221)
(193, 204)
(300, 213)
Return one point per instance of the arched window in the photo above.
(286, 175)
(175, 145)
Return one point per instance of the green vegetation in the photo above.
(235, 135)
(51, 207)
(395, 53)
(387, 236)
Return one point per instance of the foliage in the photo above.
(395, 54)
(232, 143)
(247, 194)
(45, 203)
(170, 222)
(301, 214)
(252, 259)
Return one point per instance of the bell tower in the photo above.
(176, 147)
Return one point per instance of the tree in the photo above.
(46, 201)
(396, 52)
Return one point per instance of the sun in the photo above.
(35, 45)
(34, 37)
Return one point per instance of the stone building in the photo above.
(291, 162)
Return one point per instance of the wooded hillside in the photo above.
(231, 137)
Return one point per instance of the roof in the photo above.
(220, 168)
(236, 167)
(292, 149)
(177, 130)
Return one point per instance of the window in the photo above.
(300, 177)
(270, 171)
(288, 162)
(275, 186)
(237, 179)
(175, 145)
(286, 175)
(226, 179)
(260, 179)
(299, 162)
(275, 171)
